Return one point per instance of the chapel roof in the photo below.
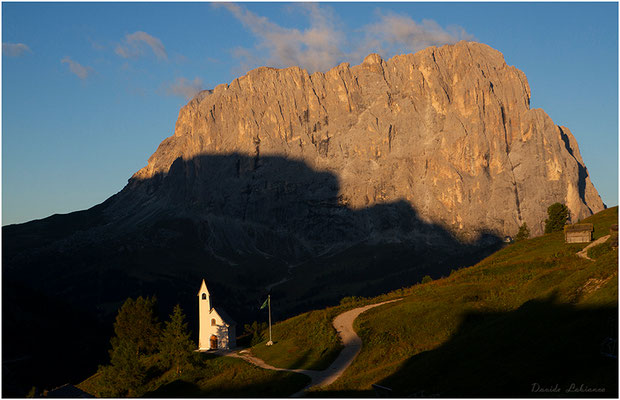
(225, 317)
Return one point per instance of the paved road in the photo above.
(343, 324)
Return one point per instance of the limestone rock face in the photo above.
(447, 132)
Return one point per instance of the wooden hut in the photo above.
(578, 233)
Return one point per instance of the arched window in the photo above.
(213, 322)
(204, 296)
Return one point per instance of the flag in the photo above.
(264, 304)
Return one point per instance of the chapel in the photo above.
(216, 329)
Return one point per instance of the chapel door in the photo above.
(213, 342)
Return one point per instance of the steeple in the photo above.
(204, 297)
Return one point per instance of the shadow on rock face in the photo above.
(242, 223)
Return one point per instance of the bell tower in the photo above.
(204, 309)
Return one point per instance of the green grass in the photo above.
(216, 376)
(532, 311)
(309, 340)
(603, 221)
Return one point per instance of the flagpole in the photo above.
(269, 343)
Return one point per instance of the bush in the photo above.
(257, 330)
(558, 215)
(524, 233)
(427, 279)
(350, 300)
(597, 251)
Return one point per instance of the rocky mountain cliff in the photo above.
(447, 130)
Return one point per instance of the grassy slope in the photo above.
(309, 340)
(520, 272)
(216, 376)
(531, 313)
(445, 336)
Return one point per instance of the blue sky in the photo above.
(89, 90)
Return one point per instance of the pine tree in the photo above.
(524, 232)
(126, 374)
(558, 215)
(137, 323)
(137, 332)
(176, 347)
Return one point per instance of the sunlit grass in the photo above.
(216, 376)
(537, 269)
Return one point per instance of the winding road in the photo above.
(343, 324)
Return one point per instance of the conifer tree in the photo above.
(136, 333)
(137, 323)
(176, 347)
(558, 215)
(126, 374)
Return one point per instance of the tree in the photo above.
(32, 393)
(176, 347)
(136, 322)
(524, 233)
(427, 279)
(126, 374)
(558, 215)
(136, 333)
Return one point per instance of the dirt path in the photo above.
(343, 324)
(584, 253)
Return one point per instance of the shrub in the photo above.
(427, 279)
(524, 233)
(597, 251)
(257, 330)
(350, 300)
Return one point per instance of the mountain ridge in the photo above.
(448, 130)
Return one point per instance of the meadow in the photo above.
(531, 316)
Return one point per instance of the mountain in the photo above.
(351, 182)
(447, 130)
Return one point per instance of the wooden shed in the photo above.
(578, 233)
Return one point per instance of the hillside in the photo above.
(213, 376)
(532, 312)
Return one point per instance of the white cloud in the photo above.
(316, 48)
(185, 88)
(395, 32)
(15, 49)
(78, 69)
(323, 44)
(134, 45)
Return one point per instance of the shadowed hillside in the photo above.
(163, 235)
(542, 344)
(531, 313)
